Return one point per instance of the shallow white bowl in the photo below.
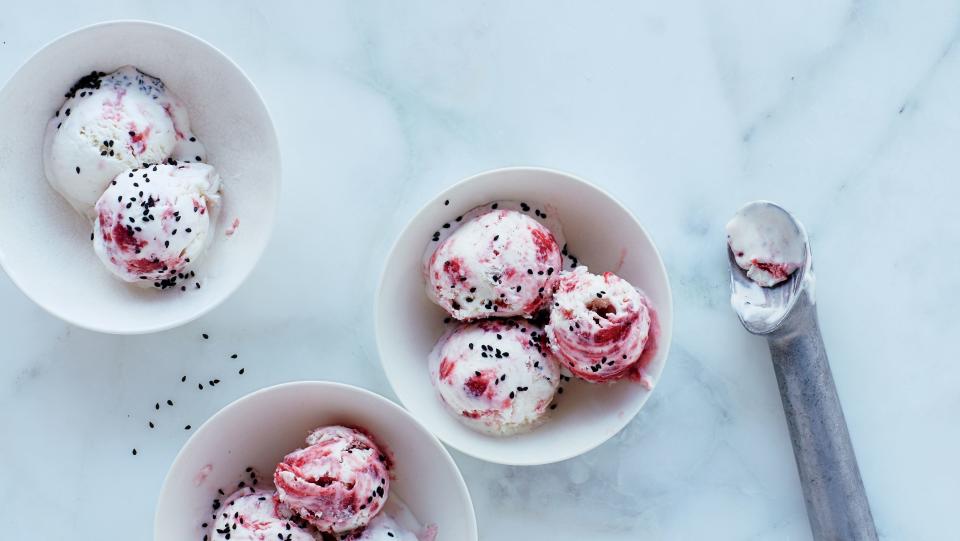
(45, 245)
(260, 428)
(603, 234)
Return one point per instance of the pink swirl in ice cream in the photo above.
(153, 224)
(599, 325)
(766, 243)
(496, 260)
(338, 483)
(495, 375)
(254, 515)
(109, 123)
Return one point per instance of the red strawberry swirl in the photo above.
(338, 483)
(496, 376)
(599, 325)
(497, 260)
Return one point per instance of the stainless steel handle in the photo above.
(836, 502)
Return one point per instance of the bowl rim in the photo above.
(664, 342)
(257, 252)
(381, 400)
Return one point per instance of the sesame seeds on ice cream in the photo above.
(495, 375)
(153, 225)
(497, 260)
(254, 515)
(110, 123)
(599, 325)
(338, 483)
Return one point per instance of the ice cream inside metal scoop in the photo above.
(770, 264)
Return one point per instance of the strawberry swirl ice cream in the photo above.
(154, 224)
(498, 260)
(496, 375)
(766, 244)
(255, 515)
(111, 122)
(338, 483)
(599, 325)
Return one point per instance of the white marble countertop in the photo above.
(845, 112)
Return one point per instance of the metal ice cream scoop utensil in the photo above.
(787, 316)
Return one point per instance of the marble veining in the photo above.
(845, 112)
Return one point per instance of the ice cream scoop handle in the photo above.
(836, 501)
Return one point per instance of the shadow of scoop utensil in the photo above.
(786, 315)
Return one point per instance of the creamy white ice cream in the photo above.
(338, 483)
(600, 325)
(497, 260)
(495, 375)
(154, 224)
(253, 515)
(109, 123)
(765, 243)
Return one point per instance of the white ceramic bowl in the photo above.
(601, 232)
(45, 245)
(260, 428)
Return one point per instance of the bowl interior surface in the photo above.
(601, 233)
(260, 428)
(45, 245)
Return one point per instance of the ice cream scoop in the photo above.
(496, 376)
(111, 122)
(338, 483)
(496, 260)
(786, 315)
(154, 224)
(254, 515)
(600, 326)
